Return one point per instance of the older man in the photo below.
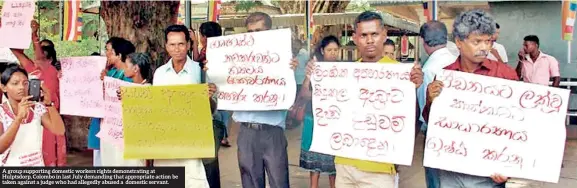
(434, 36)
(473, 31)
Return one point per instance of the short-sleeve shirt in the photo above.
(540, 71)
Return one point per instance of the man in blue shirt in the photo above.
(261, 140)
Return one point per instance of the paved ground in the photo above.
(411, 177)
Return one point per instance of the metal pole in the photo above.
(187, 13)
(568, 52)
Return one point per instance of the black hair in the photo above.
(369, 16)
(9, 71)
(50, 43)
(532, 38)
(177, 29)
(389, 42)
(258, 16)
(95, 54)
(434, 33)
(50, 52)
(324, 43)
(497, 25)
(210, 29)
(143, 62)
(121, 47)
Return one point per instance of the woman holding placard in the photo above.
(138, 70)
(317, 163)
(22, 120)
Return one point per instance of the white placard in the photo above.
(364, 111)
(252, 70)
(482, 125)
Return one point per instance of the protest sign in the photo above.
(15, 31)
(111, 126)
(251, 71)
(81, 88)
(167, 122)
(364, 111)
(482, 125)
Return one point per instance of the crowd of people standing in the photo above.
(262, 145)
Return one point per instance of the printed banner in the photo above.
(111, 126)
(15, 31)
(167, 122)
(81, 89)
(250, 73)
(481, 125)
(364, 111)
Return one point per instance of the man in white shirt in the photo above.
(434, 35)
(181, 70)
(498, 53)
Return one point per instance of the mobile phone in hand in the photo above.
(34, 89)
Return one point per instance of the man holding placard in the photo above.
(181, 70)
(256, 82)
(473, 31)
(369, 37)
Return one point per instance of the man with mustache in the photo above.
(473, 31)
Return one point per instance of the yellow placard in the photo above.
(167, 122)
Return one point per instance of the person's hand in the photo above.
(417, 75)
(205, 68)
(102, 74)
(45, 95)
(211, 89)
(59, 74)
(498, 178)
(434, 90)
(294, 63)
(521, 54)
(23, 107)
(35, 26)
(311, 65)
(119, 94)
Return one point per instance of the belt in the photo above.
(258, 126)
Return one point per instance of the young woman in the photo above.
(317, 163)
(54, 147)
(138, 70)
(22, 121)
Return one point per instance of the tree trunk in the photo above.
(142, 23)
(319, 6)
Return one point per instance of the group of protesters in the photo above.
(32, 132)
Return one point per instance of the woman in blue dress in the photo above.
(317, 163)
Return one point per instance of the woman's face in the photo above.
(17, 86)
(131, 69)
(331, 52)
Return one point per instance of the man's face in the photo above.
(256, 26)
(475, 48)
(389, 51)
(496, 35)
(530, 46)
(176, 45)
(369, 38)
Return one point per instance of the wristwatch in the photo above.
(49, 105)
